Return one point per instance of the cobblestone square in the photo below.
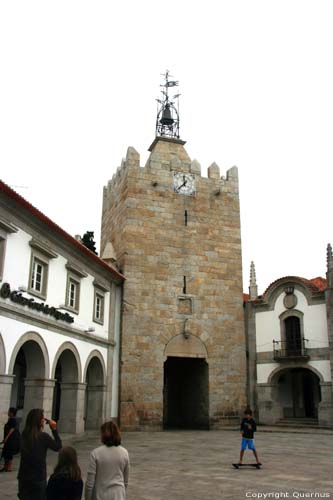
(196, 465)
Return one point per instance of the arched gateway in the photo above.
(298, 393)
(186, 388)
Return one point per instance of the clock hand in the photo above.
(182, 185)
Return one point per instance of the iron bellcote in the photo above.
(167, 120)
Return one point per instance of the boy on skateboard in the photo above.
(248, 428)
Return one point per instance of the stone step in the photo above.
(298, 422)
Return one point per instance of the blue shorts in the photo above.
(248, 443)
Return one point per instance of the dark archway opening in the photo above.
(299, 393)
(65, 395)
(94, 395)
(20, 372)
(186, 396)
(57, 393)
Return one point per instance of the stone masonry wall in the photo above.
(145, 221)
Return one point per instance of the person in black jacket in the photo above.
(11, 440)
(66, 482)
(34, 446)
(248, 428)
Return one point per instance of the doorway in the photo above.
(299, 393)
(186, 393)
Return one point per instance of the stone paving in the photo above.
(196, 465)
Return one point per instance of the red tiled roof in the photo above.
(4, 188)
(320, 283)
(246, 297)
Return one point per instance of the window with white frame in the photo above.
(73, 288)
(38, 275)
(6, 228)
(2, 255)
(99, 307)
(100, 289)
(39, 268)
(73, 293)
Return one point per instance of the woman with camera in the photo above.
(34, 446)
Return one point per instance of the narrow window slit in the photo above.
(184, 285)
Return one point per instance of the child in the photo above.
(11, 441)
(248, 428)
(66, 481)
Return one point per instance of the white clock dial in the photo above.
(184, 183)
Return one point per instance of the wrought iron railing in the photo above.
(290, 349)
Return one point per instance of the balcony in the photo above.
(290, 350)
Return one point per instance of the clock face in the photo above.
(184, 183)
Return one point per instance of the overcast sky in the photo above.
(78, 85)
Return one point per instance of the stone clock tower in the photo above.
(176, 237)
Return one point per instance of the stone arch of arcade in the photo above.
(29, 367)
(95, 380)
(186, 383)
(69, 391)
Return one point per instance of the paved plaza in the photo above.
(196, 465)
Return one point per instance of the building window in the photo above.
(73, 293)
(6, 228)
(99, 307)
(39, 268)
(292, 343)
(73, 289)
(2, 255)
(38, 276)
(293, 336)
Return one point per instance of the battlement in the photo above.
(167, 156)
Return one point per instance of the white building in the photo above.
(290, 349)
(59, 321)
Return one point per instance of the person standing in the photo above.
(66, 482)
(34, 446)
(11, 440)
(108, 469)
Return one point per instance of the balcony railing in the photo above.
(287, 350)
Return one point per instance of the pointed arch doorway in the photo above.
(186, 384)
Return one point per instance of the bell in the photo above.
(166, 116)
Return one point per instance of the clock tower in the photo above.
(176, 237)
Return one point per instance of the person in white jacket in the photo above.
(108, 469)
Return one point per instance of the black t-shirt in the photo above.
(62, 486)
(33, 459)
(248, 427)
(11, 424)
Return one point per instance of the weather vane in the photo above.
(167, 120)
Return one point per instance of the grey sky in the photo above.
(78, 86)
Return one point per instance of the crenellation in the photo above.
(213, 171)
(132, 157)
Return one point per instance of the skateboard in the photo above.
(237, 466)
